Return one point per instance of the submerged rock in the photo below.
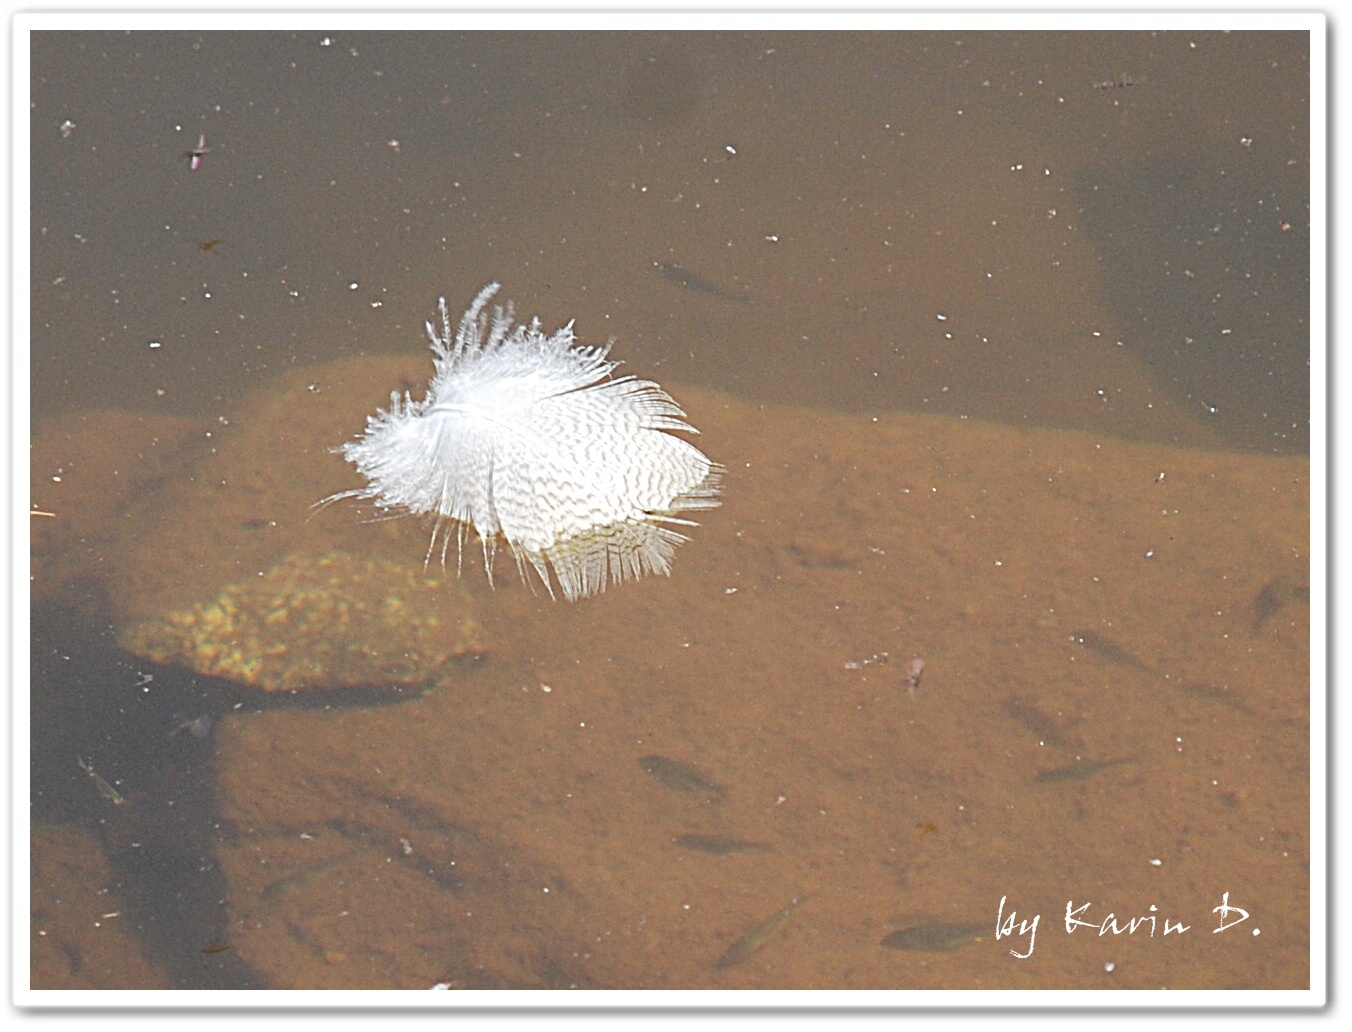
(320, 620)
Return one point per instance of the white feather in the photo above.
(525, 437)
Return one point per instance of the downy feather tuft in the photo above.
(527, 438)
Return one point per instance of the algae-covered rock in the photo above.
(320, 620)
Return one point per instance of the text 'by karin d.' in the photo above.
(1078, 916)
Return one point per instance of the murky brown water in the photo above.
(969, 414)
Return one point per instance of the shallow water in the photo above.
(969, 411)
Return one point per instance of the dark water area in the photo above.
(942, 222)
(123, 750)
(1213, 283)
(1004, 340)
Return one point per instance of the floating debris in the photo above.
(104, 789)
(525, 437)
(320, 620)
(196, 154)
(914, 669)
(876, 659)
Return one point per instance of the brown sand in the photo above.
(501, 831)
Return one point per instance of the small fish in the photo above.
(106, 790)
(303, 878)
(1222, 695)
(935, 936)
(719, 845)
(1032, 718)
(196, 154)
(1126, 82)
(1273, 597)
(679, 776)
(688, 280)
(1109, 650)
(1078, 771)
(753, 940)
(210, 245)
(215, 946)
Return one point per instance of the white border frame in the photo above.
(752, 16)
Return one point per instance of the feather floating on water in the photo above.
(527, 437)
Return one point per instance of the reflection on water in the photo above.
(960, 412)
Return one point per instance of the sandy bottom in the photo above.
(1114, 711)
